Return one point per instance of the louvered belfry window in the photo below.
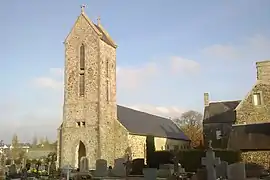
(82, 57)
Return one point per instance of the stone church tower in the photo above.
(89, 112)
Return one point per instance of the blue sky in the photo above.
(172, 51)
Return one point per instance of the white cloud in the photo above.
(54, 80)
(179, 64)
(134, 77)
(219, 50)
(164, 111)
(137, 77)
(254, 48)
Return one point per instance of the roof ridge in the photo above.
(140, 111)
(222, 101)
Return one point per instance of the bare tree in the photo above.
(190, 123)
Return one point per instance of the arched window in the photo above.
(82, 57)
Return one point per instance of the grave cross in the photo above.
(68, 171)
(210, 161)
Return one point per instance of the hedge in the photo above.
(191, 159)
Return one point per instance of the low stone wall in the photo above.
(259, 157)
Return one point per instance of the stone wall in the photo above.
(137, 144)
(247, 113)
(169, 144)
(107, 101)
(259, 157)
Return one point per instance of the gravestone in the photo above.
(210, 161)
(66, 171)
(101, 168)
(165, 170)
(84, 165)
(236, 171)
(12, 169)
(119, 167)
(221, 169)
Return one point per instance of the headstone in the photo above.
(210, 161)
(101, 168)
(221, 169)
(236, 171)
(150, 173)
(66, 170)
(165, 170)
(128, 165)
(84, 165)
(12, 169)
(119, 167)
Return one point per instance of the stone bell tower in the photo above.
(89, 111)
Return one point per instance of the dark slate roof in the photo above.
(104, 37)
(141, 123)
(251, 136)
(220, 112)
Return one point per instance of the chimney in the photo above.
(263, 70)
(206, 99)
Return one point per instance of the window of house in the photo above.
(257, 99)
(78, 124)
(82, 57)
(81, 85)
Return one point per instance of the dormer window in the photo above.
(257, 99)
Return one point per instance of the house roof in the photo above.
(141, 123)
(220, 112)
(251, 136)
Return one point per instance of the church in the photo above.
(93, 125)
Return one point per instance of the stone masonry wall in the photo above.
(138, 145)
(93, 108)
(259, 157)
(169, 144)
(249, 113)
(107, 100)
(121, 148)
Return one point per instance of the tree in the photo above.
(46, 141)
(35, 141)
(190, 123)
(15, 147)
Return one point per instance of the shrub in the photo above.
(191, 159)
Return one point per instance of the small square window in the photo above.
(257, 99)
(78, 124)
(83, 124)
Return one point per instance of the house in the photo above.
(240, 124)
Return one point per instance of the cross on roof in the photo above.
(82, 7)
(98, 20)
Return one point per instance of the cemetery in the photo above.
(193, 164)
